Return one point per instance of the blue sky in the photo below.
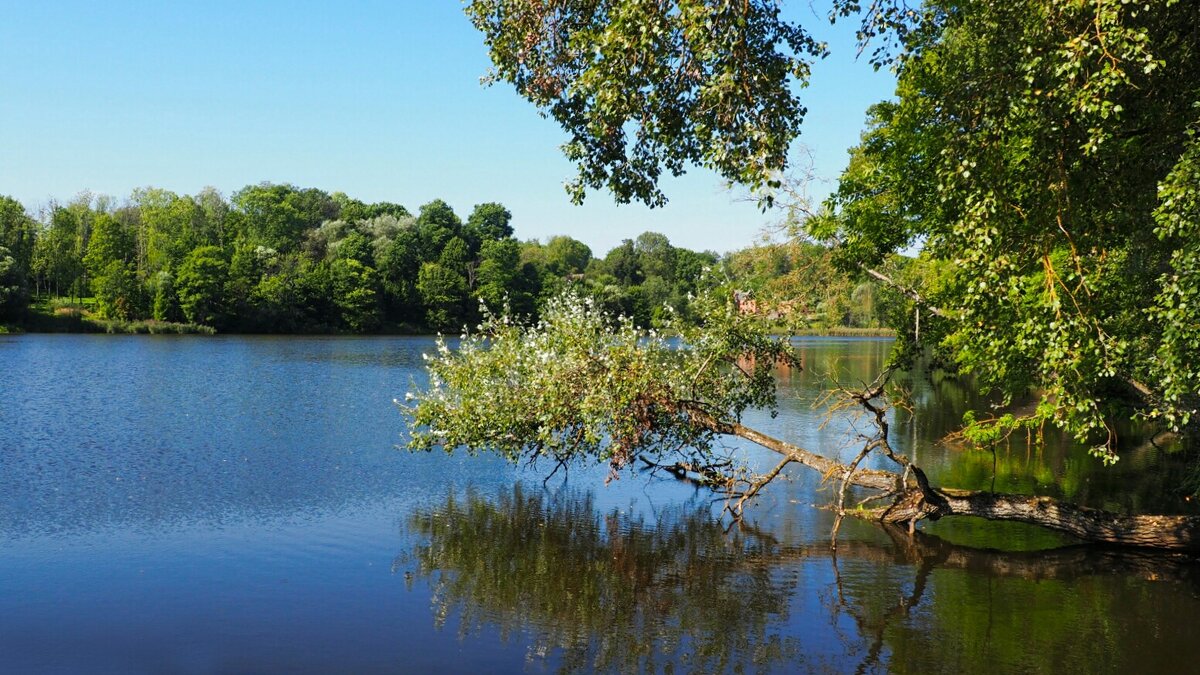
(380, 100)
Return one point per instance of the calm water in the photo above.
(192, 505)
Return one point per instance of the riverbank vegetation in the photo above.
(63, 316)
(281, 259)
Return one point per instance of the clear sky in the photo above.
(380, 100)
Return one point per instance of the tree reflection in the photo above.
(612, 591)
(675, 591)
(1069, 609)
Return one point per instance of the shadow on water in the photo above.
(592, 590)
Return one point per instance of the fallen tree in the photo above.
(581, 385)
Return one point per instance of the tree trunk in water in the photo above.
(917, 500)
(1165, 532)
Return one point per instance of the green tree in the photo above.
(14, 294)
(579, 384)
(1047, 151)
(1043, 147)
(58, 256)
(109, 241)
(713, 85)
(118, 293)
(436, 224)
(110, 263)
(500, 278)
(488, 222)
(166, 302)
(656, 256)
(624, 263)
(168, 227)
(456, 258)
(565, 255)
(216, 212)
(200, 284)
(18, 239)
(399, 264)
(355, 246)
(278, 215)
(442, 293)
(18, 234)
(355, 294)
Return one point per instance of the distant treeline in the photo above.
(277, 258)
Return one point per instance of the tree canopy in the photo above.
(644, 88)
(1046, 150)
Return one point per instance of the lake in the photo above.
(238, 504)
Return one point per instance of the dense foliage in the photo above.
(647, 87)
(276, 258)
(282, 259)
(579, 383)
(1046, 151)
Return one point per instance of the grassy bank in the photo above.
(59, 317)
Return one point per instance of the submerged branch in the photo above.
(756, 486)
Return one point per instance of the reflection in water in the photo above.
(613, 591)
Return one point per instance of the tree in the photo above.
(168, 227)
(488, 222)
(355, 246)
(18, 234)
(624, 263)
(109, 261)
(655, 255)
(1048, 151)
(566, 255)
(109, 241)
(118, 294)
(399, 263)
(216, 211)
(500, 281)
(437, 224)
(1045, 150)
(443, 292)
(18, 237)
(14, 294)
(57, 255)
(166, 302)
(200, 285)
(278, 215)
(580, 385)
(354, 292)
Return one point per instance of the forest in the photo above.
(283, 259)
